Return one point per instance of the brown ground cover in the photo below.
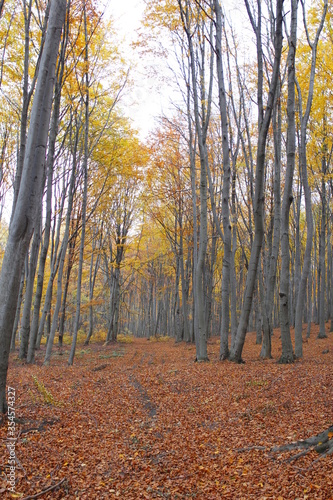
(143, 420)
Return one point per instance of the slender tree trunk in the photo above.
(322, 330)
(31, 188)
(309, 318)
(18, 311)
(26, 91)
(85, 194)
(63, 252)
(25, 322)
(176, 306)
(202, 116)
(287, 355)
(26, 98)
(226, 266)
(92, 279)
(264, 122)
(266, 349)
(307, 189)
(183, 285)
(62, 312)
(298, 267)
(233, 280)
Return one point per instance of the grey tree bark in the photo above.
(25, 321)
(94, 266)
(322, 247)
(55, 260)
(309, 317)
(287, 355)
(307, 190)
(63, 251)
(18, 311)
(27, 92)
(266, 349)
(29, 196)
(183, 281)
(263, 126)
(74, 228)
(49, 172)
(202, 116)
(226, 266)
(85, 192)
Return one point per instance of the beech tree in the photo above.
(31, 188)
(193, 22)
(304, 119)
(287, 355)
(264, 118)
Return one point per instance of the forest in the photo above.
(166, 299)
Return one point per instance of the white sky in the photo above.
(144, 102)
(150, 97)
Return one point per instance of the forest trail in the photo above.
(143, 420)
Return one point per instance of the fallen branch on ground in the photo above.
(50, 488)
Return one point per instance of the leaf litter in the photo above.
(152, 423)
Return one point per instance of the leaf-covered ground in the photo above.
(143, 420)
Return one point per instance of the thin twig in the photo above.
(50, 488)
(249, 448)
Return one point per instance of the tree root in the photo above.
(322, 443)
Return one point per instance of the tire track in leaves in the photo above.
(148, 405)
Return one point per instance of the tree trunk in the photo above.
(287, 355)
(25, 321)
(307, 189)
(85, 193)
(62, 256)
(309, 318)
(29, 196)
(322, 331)
(202, 116)
(92, 280)
(266, 349)
(226, 266)
(183, 285)
(18, 311)
(264, 122)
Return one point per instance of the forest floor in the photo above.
(142, 420)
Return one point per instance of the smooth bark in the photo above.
(287, 355)
(263, 125)
(31, 188)
(307, 190)
(226, 266)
